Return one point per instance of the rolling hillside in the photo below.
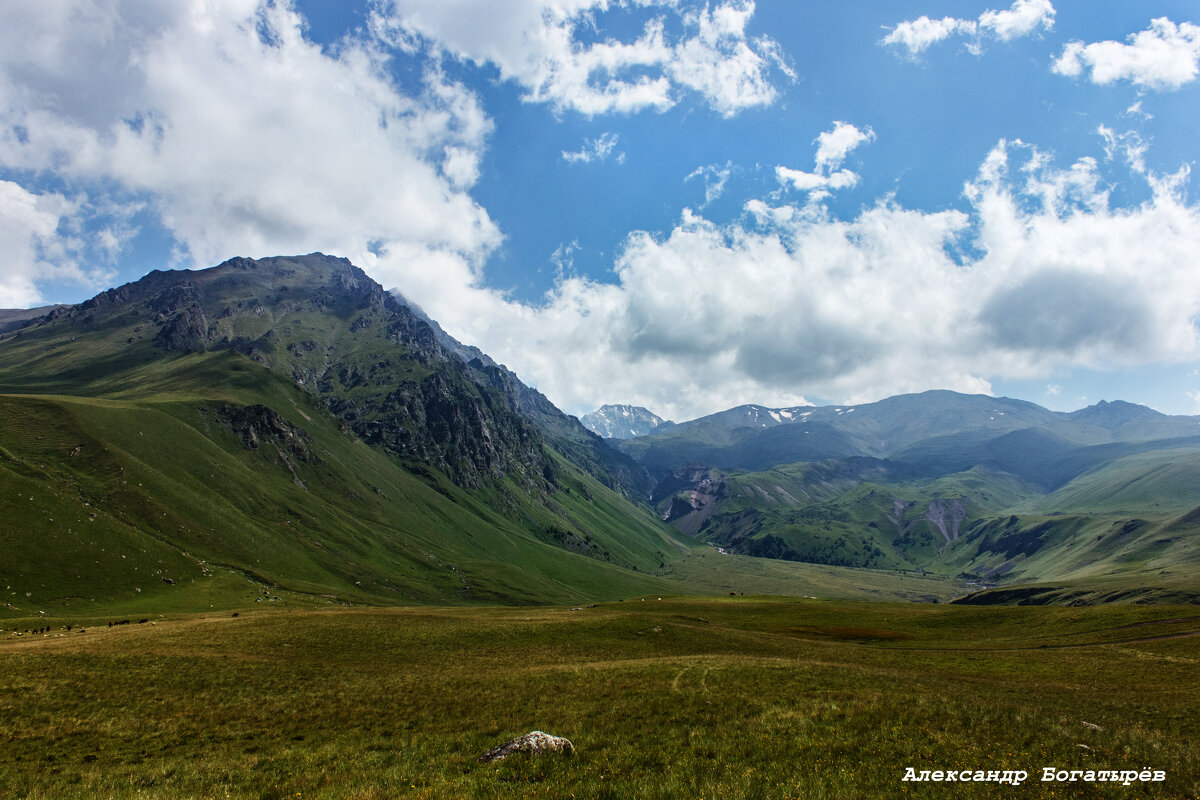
(991, 491)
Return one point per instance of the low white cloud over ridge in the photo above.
(1037, 274)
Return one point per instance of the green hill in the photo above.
(1118, 525)
(284, 429)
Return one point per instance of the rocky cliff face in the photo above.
(564, 433)
(689, 496)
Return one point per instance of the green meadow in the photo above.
(740, 697)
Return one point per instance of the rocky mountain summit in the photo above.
(388, 372)
(622, 421)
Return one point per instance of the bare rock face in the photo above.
(946, 516)
(535, 743)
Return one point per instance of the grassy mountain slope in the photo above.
(283, 428)
(1158, 482)
(100, 505)
(1117, 526)
(991, 490)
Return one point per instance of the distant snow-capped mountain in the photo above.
(621, 421)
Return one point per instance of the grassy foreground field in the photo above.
(670, 698)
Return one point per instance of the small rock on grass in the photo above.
(535, 743)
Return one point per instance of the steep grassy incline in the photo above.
(167, 505)
(1160, 482)
(286, 428)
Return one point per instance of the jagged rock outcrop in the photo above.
(257, 425)
(260, 427)
(690, 495)
(470, 436)
(186, 331)
(564, 433)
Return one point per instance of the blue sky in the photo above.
(683, 205)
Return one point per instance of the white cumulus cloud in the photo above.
(832, 148)
(539, 44)
(833, 145)
(790, 303)
(1022, 18)
(28, 222)
(244, 138)
(1163, 57)
(41, 240)
(918, 35)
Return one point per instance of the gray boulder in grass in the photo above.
(534, 743)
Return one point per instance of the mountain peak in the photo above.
(1108, 414)
(619, 421)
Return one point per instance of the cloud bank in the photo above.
(1036, 274)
